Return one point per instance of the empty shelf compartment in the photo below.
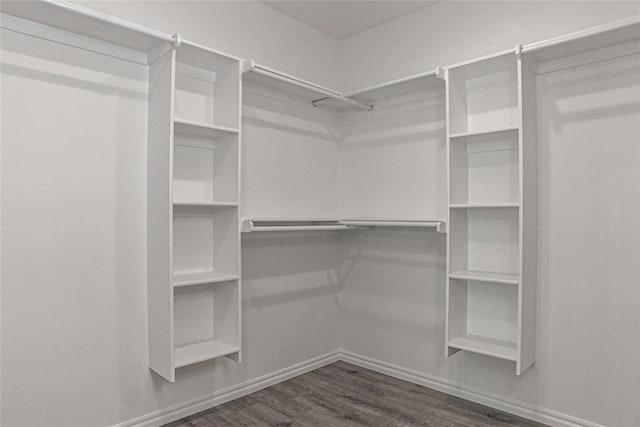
(487, 346)
(199, 352)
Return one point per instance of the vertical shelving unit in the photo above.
(194, 282)
(491, 244)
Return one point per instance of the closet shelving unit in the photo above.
(193, 196)
(491, 244)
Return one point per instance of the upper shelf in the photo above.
(603, 36)
(72, 24)
(296, 86)
(422, 83)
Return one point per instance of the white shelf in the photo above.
(424, 82)
(488, 346)
(199, 352)
(487, 132)
(192, 279)
(484, 205)
(485, 276)
(203, 130)
(603, 36)
(309, 91)
(207, 204)
(79, 26)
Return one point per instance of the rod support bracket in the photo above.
(176, 40)
(440, 73)
(518, 52)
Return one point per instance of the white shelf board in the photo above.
(488, 132)
(483, 205)
(488, 346)
(202, 130)
(86, 22)
(486, 276)
(199, 352)
(192, 279)
(207, 204)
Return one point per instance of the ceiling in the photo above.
(342, 19)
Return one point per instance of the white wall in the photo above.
(456, 31)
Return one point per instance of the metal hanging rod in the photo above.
(251, 226)
(254, 225)
(326, 93)
(439, 225)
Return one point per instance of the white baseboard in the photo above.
(184, 409)
(521, 409)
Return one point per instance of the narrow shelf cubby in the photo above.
(206, 322)
(205, 241)
(492, 215)
(484, 168)
(484, 241)
(483, 95)
(207, 88)
(484, 318)
(193, 227)
(205, 166)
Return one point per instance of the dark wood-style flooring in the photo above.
(342, 394)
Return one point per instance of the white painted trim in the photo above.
(184, 409)
(518, 408)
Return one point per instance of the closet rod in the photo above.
(438, 225)
(287, 78)
(256, 228)
(298, 228)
